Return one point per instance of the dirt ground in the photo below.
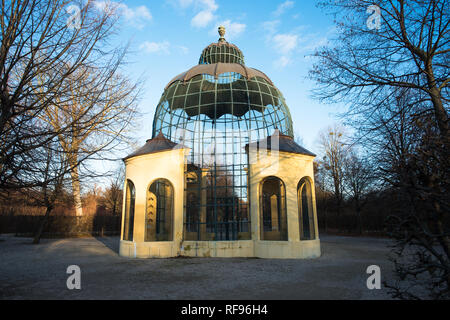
(39, 272)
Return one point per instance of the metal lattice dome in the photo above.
(215, 109)
(222, 51)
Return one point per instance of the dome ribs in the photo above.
(217, 69)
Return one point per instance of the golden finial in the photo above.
(222, 33)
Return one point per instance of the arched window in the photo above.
(159, 213)
(305, 210)
(273, 210)
(128, 223)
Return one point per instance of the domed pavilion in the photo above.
(222, 175)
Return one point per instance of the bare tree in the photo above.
(322, 194)
(395, 79)
(358, 178)
(414, 164)
(100, 112)
(53, 175)
(112, 197)
(409, 50)
(42, 45)
(335, 151)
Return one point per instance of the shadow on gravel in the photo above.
(112, 243)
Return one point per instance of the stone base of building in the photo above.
(222, 249)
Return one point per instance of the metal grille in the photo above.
(224, 53)
(255, 104)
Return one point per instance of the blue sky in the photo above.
(276, 37)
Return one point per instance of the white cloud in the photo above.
(284, 61)
(206, 14)
(202, 19)
(233, 29)
(313, 45)
(184, 3)
(141, 12)
(313, 40)
(283, 7)
(285, 43)
(137, 17)
(209, 4)
(155, 47)
(163, 47)
(299, 41)
(271, 27)
(204, 10)
(183, 49)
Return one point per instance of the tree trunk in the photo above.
(43, 222)
(439, 110)
(338, 222)
(114, 208)
(360, 222)
(76, 190)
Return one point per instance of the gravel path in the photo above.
(39, 272)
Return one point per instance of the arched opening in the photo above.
(273, 210)
(159, 213)
(305, 210)
(128, 223)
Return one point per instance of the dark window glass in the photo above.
(306, 212)
(128, 224)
